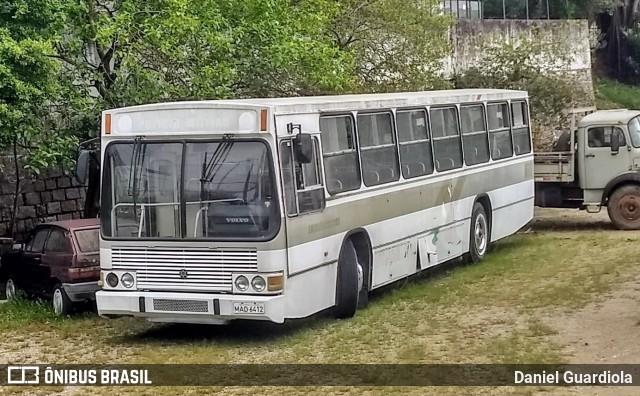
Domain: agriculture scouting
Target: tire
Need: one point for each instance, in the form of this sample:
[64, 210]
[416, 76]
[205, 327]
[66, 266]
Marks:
[624, 207]
[349, 282]
[479, 234]
[62, 305]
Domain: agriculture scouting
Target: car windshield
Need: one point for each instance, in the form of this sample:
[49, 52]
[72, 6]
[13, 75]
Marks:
[634, 131]
[88, 240]
[205, 189]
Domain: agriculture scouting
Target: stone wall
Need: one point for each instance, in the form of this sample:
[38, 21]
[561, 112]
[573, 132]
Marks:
[50, 196]
[470, 38]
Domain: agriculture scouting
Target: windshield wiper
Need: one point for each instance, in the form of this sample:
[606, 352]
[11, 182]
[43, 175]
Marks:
[211, 165]
[135, 173]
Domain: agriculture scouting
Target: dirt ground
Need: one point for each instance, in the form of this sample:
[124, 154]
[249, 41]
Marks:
[603, 332]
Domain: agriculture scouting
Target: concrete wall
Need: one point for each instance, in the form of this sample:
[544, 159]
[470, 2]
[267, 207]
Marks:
[49, 196]
[470, 38]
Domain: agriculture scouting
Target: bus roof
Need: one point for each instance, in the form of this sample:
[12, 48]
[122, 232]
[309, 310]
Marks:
[306, 104]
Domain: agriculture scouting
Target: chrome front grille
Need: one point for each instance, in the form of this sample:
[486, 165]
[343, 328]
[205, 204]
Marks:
[207, 270]
[160, 304]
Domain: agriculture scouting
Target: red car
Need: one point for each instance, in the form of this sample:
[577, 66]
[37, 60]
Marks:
[61, 262]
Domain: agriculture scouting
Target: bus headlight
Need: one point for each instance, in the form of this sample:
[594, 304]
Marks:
[258, 283]
[127, 280]
[112, 279]
[242, 283]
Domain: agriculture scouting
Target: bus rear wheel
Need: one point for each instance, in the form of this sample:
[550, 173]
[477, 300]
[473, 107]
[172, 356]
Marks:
[479, 234]
[624, 207]
[349, 281]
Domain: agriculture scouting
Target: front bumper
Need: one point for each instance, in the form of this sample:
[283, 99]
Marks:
[186, 307]
[81, 291]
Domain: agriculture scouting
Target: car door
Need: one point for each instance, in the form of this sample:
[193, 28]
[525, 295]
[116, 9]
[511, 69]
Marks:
[601, 163]
[28, 270]
[56, 259]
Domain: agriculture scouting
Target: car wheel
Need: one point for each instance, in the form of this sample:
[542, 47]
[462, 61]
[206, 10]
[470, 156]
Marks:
[62, 305]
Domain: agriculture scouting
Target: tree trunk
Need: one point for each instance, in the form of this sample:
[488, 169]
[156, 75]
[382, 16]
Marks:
[14, 210]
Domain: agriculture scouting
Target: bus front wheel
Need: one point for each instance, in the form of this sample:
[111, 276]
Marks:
[480, 233]
[349, 281]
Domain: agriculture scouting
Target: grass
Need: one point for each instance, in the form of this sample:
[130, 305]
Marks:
[18, 313]
[493, 312]
[611, 94]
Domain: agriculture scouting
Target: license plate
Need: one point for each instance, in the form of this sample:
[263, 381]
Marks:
[248, 308]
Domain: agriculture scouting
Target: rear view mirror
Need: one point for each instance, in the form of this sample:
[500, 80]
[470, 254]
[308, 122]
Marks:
[615, 143]
[303, 148]
[82, 166]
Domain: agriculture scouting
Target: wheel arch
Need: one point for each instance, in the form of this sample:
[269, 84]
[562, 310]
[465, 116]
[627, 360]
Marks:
[364, 249]
[485, 201]
[617, 182]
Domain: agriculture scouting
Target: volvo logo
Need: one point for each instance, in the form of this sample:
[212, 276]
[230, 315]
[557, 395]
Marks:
[237, 220]
[183, 274]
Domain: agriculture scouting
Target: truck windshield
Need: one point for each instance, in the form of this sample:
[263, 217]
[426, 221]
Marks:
[634, 131]
[193, 190]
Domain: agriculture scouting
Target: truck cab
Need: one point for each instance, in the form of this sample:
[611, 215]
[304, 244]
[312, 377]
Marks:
[595, 165]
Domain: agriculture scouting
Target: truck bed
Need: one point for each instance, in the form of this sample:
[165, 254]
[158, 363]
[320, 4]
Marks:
[554, 167]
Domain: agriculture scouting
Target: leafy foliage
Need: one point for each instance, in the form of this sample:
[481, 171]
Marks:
[29, 84]
[398, 45]
[524, 64]
[130, 52]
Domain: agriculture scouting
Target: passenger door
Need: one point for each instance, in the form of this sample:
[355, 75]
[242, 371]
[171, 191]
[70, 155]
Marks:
[28, 270]
[303, 193]
[600, 163]
[56, 258]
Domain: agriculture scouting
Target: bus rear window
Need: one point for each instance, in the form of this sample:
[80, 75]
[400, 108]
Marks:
[88, 240]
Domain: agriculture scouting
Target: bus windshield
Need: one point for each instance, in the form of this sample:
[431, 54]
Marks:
[175, 190]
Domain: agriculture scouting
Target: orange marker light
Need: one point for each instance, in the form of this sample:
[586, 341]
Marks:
[263, 120]
[107, 124]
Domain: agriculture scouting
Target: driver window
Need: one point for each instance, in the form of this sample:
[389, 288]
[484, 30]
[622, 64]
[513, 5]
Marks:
[57, 242]
[301, 180]
[601, 136]
[36, 245]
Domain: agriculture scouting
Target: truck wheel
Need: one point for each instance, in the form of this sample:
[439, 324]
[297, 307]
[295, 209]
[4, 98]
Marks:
[479, 235]
[62, 305]
[349, 282]
[624, 207]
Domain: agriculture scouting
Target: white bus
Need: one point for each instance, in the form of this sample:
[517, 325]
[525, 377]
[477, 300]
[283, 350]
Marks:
[271, 209]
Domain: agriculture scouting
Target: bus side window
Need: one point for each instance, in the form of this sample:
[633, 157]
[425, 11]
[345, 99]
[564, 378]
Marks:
[341, 163]
[446, 138]
[521, 131]
[499, 131]
[310, 188]
[474, 134]
[377, 149]
[415, 143]
[286, 163]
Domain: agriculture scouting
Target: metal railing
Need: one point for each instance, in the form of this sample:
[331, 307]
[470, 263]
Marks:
[514, 9]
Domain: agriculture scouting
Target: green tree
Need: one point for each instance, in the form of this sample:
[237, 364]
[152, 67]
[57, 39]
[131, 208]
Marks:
[127, 52]
[398, 45]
